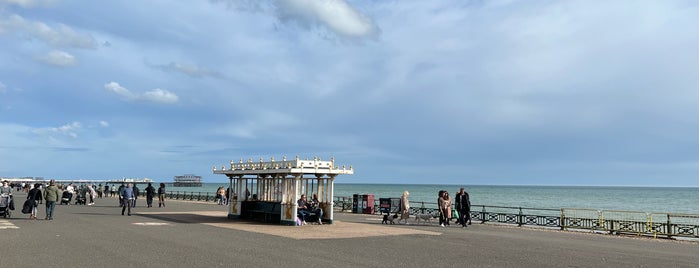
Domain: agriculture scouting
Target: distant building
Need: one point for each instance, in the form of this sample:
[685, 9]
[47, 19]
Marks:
[187, 180]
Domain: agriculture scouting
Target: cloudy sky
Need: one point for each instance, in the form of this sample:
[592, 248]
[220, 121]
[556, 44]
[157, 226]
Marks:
[407, 91]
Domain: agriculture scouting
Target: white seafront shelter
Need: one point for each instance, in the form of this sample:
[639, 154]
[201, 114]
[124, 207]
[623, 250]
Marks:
[269, 190]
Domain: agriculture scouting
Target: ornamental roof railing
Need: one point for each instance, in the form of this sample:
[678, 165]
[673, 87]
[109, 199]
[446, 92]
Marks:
[295, 166]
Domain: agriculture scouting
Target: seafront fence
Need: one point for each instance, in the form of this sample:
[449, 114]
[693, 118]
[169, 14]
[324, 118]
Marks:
[664, 225]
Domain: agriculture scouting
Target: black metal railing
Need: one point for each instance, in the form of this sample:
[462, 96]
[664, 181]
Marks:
[612, 221]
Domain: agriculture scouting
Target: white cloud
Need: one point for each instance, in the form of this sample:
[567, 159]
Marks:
[155, 95]
[104, 124]
[27, 3]
[59, 58]
[188, 69]
[337, 15]
[2, 87]
[119, 90]
[160, 95]
[62, 36]
[65, 130]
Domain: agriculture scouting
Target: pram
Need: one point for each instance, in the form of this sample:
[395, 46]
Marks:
[80, 200]
[6, 205]
[66, 197]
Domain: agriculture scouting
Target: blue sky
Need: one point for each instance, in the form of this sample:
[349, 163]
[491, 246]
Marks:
[464, 92]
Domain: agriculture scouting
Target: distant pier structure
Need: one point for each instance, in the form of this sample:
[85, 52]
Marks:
[129, 180]
[268, 190]
[187, 180]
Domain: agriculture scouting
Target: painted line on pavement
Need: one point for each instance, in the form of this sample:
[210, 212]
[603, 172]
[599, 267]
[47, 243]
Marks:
[5, 224]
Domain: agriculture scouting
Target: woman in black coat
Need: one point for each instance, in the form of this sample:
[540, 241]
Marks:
[34, 196]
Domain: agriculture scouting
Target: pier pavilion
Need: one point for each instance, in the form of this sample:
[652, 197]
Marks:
[268, 190]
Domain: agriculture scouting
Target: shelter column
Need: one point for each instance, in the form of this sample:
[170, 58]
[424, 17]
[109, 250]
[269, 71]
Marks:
[235, 205]
[331, 189]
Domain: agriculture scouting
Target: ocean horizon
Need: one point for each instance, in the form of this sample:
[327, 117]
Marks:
[650, 199]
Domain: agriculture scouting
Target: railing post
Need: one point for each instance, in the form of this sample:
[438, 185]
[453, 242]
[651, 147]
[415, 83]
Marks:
[563, 219]
[669, 227]
[483, 214]
[519, 218]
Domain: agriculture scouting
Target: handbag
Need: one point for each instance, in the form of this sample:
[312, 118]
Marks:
[27, 207]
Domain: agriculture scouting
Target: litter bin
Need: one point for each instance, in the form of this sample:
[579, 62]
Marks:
[363, 203]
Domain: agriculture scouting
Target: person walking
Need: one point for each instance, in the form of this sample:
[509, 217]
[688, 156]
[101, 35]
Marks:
[447, 208]
[91, 192]
[161, 195]
[5, 188]
[136, 193]
[127, 196]
[34, 196]
[121, 187]
[440, 205]
[51, 196]
[221, 193]
[463, 205]
[404, 207]
[150, 193]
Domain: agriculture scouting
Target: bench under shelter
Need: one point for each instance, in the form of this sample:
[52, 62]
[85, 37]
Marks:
[268, 190]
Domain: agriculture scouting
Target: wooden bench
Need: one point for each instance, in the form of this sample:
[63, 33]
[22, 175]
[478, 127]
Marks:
[261, 210]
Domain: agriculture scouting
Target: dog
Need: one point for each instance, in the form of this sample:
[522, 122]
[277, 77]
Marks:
[389, 219]
[425, 218]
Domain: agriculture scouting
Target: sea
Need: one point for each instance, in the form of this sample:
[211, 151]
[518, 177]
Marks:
[642, 199]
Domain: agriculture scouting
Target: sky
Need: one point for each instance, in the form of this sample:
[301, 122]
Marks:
[497, 92]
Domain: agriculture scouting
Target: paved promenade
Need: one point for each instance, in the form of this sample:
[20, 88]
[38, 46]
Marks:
[191, 234]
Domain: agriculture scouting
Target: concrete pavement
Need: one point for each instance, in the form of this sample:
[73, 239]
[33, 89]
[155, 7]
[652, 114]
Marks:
[192, 234]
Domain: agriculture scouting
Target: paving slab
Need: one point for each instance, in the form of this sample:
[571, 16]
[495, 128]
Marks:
[198, 234]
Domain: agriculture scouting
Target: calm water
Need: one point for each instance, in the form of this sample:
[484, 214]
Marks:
[646, 199]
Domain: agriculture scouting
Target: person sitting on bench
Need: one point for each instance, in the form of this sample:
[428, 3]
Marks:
[305, 210]
[315, 207]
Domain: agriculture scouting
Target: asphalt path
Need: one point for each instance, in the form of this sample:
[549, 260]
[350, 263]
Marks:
[183, 235]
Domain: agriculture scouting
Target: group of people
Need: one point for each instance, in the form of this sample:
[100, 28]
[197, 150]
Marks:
[462, 207]
[53, 193]
[128, 194]
[307, 209]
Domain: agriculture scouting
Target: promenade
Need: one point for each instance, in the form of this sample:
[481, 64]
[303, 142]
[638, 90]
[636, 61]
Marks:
[197, 234]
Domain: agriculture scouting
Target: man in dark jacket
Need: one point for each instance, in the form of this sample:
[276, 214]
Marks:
[150, 193]
[135, 194]
[463, 205]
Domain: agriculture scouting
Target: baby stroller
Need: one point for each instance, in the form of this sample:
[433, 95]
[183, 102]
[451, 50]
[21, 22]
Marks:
[6, 205]
[66, 197]
[80, 200]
